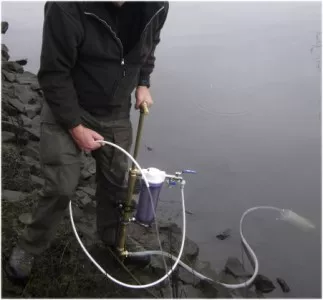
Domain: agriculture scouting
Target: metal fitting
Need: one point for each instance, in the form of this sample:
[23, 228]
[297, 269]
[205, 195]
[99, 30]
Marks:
[124, 253]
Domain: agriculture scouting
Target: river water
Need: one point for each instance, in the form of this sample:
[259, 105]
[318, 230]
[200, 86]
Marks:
[237, 91]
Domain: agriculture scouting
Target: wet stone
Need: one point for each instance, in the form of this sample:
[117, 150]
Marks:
[22, 62]
[8, 136]
[89, 167]
[263, 284]
[224, 235]
[187, 277]
[83, 198]
[85, 174]
[34, 133]
[90, 208]
[4, 115]
[7, 89]
[189, 291]
[18, 105]
[23, 92]
[23, 138]
[87, 230]
[77, 213]
[13, 196]
[4, 52]
[283, 285]
[26, 122]
[211, 291]
[90, 191]
[36, 121]
[233, 266]
[11, 126]
[32, 150]
[25, 218]
[27, 78]
[9, 109]
[191, 250]
[9, 76]
[32, 110]
[34, 165]
[35, 86]
[4, 48]
[4, 27]
[38, 182]
[12, 66]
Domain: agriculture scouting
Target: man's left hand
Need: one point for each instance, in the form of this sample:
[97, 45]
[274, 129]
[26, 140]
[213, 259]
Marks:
[143, 95]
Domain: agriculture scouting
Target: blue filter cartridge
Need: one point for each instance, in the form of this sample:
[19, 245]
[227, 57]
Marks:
[146, 208]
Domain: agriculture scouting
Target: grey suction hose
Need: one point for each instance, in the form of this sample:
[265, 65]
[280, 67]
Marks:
[286, 215]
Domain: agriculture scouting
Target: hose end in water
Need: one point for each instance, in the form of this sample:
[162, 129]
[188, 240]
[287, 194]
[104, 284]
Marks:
[296, 220]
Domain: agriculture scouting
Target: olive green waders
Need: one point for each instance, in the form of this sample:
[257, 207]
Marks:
[61, 166]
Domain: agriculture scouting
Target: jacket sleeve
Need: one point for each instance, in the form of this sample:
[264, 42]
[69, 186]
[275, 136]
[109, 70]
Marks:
[62, 34]
[148, 67]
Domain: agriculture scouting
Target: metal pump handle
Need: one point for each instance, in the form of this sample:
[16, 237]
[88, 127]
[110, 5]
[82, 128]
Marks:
[144, 108]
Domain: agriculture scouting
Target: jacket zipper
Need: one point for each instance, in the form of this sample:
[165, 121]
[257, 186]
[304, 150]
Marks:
[116, 37]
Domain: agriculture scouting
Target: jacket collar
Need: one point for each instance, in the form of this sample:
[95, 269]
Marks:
[149, 9]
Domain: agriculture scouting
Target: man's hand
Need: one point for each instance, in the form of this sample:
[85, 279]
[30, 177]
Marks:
[143, 95]
[86, 138]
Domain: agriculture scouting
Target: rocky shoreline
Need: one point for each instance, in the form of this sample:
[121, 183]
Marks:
[63, 270]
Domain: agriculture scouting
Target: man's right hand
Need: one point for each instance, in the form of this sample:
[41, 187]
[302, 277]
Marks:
[86, 138]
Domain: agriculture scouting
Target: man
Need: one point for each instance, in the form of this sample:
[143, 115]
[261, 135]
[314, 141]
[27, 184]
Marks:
[94, 55]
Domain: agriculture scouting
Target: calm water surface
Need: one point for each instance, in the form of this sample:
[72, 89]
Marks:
[237, 96]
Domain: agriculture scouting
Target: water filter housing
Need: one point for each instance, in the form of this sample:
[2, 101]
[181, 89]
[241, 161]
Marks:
[146, 208]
